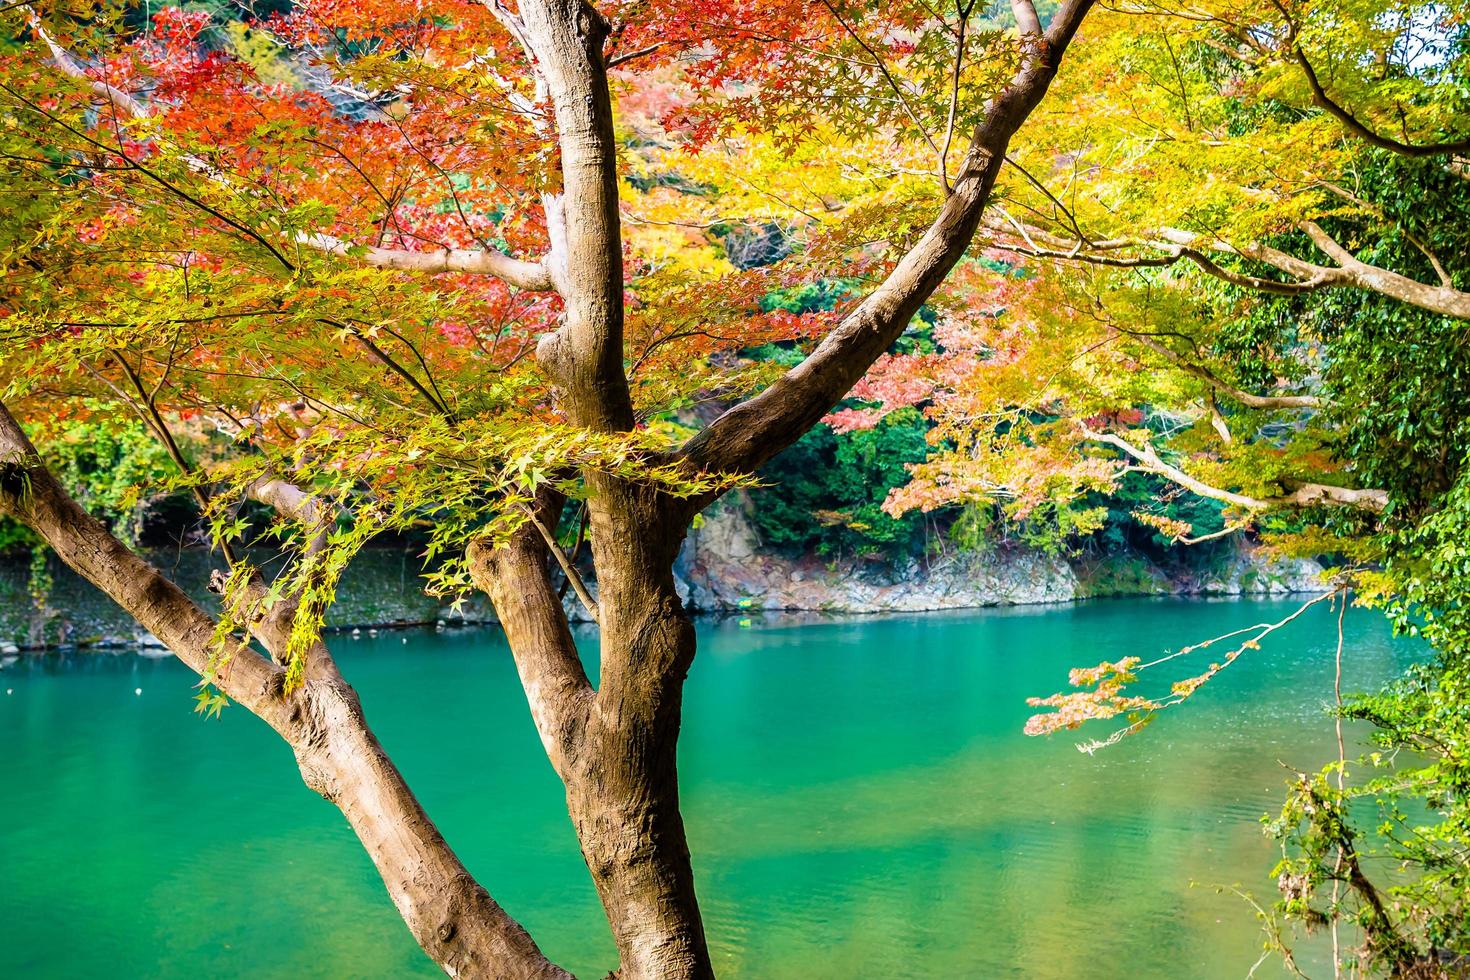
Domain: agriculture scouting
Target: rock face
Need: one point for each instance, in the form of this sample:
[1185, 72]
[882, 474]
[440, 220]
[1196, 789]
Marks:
[1247, 572]
[382, 588]
[722, 569]
[1249, 575]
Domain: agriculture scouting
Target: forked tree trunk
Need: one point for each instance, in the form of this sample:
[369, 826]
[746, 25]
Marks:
[615, 749]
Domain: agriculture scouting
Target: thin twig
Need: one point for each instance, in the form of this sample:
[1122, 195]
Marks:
[568, 570]
[154, 420]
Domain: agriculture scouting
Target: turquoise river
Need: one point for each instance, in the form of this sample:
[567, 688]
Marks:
[861, 803]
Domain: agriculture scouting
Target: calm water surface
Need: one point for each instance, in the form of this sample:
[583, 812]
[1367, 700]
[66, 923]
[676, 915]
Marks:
[860, 800]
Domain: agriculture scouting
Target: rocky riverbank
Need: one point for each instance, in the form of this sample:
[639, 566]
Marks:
[723, 569]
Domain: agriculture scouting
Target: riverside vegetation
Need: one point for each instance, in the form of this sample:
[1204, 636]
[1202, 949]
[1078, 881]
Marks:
[533, 285]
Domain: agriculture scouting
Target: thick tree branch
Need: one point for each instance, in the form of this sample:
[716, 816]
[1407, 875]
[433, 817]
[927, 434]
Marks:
[1156, 254]
[1028, 24]
[752, 432]
[294, 503]
[1443, 298]
[32, 496]
[518, 581]
[1445, 279]
[484, 262]
[270, 625]
[1169, 246]
[1303, 494]
[584, 356]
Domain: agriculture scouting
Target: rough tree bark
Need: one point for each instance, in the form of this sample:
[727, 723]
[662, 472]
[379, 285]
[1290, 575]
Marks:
[614, 746]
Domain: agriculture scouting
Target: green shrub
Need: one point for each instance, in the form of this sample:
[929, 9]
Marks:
[825, 493]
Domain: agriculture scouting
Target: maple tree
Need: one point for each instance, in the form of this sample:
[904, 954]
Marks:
[438, 267]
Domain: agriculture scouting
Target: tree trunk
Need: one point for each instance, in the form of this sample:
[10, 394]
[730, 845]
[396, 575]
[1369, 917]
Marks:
[623, 796]
[622, 790]
[614, 748]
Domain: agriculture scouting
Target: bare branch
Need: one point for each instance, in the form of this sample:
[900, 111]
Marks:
[627, 56]
[487, 262]
[290, 501]
[1224, 532]
[1443, 298]
[1218, 423]
[1046, 192]
[71, 67]
[1378, 212]
[1246, 398]
[1359, 129]
[147, 410]
[1123, 254]
[963, 11]
[1168, 246]
[392, 364]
